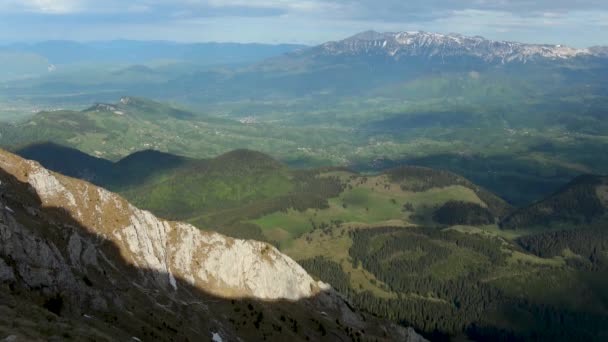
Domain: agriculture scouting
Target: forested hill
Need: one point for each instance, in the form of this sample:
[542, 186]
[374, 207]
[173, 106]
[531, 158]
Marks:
[581, 202]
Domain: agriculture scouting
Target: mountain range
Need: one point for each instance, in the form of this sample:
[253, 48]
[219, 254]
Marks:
[412, 44]
[46, 58]
[379, 58]
[451, 184]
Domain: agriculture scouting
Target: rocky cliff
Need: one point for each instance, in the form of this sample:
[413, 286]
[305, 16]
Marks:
[79, 262]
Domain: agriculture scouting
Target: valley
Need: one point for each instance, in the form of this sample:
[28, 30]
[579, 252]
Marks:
[370, 188]
[94, 267]
[411, 244]
[521, 127]
[521, 164]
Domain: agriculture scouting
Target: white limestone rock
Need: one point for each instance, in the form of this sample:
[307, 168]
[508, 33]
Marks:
[209, 261]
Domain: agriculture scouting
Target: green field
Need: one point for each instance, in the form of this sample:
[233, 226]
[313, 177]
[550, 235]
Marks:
[371, 201]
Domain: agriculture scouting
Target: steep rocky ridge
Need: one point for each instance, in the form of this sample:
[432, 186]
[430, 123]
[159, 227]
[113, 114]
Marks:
[399, 45]
[92, 259]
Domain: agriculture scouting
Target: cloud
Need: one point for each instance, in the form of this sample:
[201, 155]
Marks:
[387, 10]
[53, 6]
[168, 7]
[41, 6]
[575, 22]
[428, 10]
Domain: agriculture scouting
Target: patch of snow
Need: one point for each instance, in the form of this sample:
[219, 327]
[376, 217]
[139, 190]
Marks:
[215, 337]
[419, 43]
[172, 281]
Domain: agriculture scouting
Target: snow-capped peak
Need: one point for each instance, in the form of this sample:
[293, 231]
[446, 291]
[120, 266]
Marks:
[426, 44]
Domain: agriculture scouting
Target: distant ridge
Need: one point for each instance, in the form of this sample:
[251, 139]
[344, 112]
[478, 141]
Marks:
[63, 52]
[399, 45]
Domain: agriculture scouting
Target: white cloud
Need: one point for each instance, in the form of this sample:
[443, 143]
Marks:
[52, 6]
[353, 9]
[109, 6]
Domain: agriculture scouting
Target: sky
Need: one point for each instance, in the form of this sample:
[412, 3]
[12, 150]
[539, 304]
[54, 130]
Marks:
[578, 23]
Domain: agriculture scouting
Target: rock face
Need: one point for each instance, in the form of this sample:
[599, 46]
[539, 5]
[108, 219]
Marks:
[401, 45]
[106, 269]
[220, 265]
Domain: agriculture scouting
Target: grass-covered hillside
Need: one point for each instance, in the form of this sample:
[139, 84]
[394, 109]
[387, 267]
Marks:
[521, 157]
[113, 131]
[221, 192]
[233, 179]
[415, 245]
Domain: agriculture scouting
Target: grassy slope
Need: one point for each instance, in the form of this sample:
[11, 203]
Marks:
[247, 194]
[114, 131]
[368, 202]
[231, 180]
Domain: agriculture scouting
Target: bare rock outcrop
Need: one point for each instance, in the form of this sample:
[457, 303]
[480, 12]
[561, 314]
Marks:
[75, 257]
[218, 264]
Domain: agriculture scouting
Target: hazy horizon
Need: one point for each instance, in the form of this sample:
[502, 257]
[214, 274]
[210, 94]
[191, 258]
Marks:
[7, 43]
[578, 24]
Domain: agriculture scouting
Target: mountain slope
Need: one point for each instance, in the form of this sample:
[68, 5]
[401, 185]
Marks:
[116, 130]
[243, 184]
[130, 171]
[93, 260]
[67, 161]
[230, 180]
[411, 245]
[172, 186]
[581, 202]
[383, 64]
[400, 45]
[414, 54]
[415, 178]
